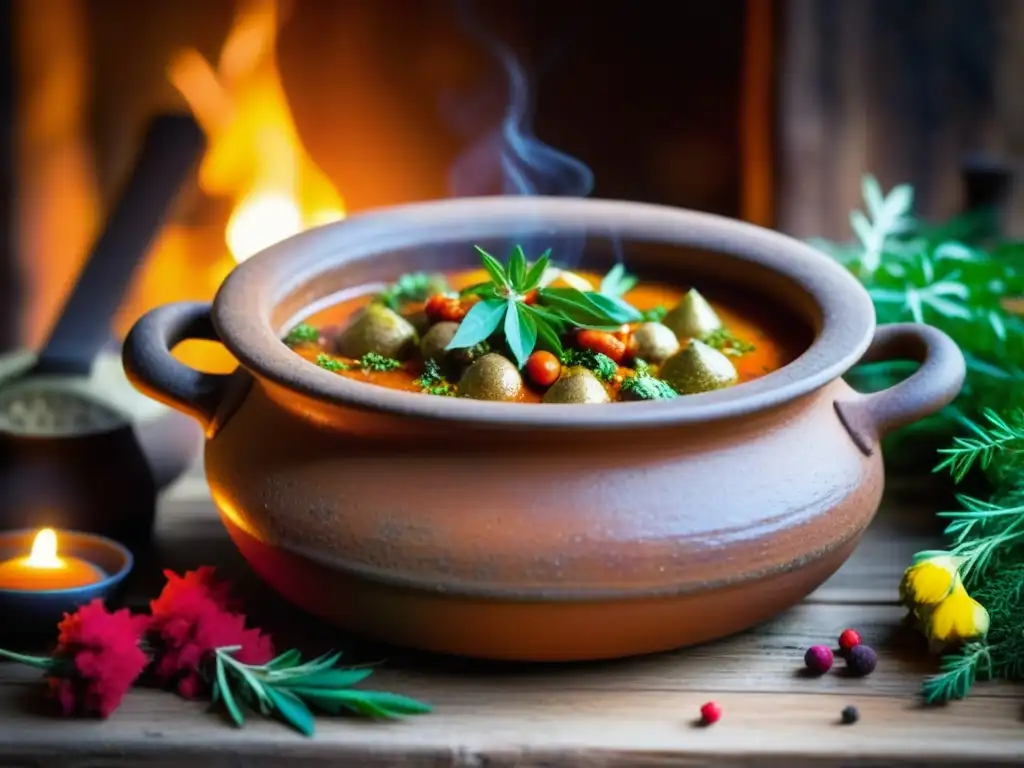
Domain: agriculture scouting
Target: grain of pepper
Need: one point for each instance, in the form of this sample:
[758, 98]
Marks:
[849, 715]
[861, 660]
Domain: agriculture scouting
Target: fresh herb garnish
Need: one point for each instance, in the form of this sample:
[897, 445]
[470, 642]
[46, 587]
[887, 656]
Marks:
[958, 276]
[727, 343]
[371, 361]
[503, 310]
[303, 333]
[600, 365]
[433, 382]
[292, 690]
[410, 288]
[329, 363]
[641, 385]
[655, 314]
[617, 282]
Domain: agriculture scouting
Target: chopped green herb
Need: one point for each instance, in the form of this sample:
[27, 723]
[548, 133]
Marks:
[371, 361]
[412, 287]
[329, 363]
[724, 341]
[303, 333]
[642, 386]
[601, 365]
[655, 315]
[433, 382]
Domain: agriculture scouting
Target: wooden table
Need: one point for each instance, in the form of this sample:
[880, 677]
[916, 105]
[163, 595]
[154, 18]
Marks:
[631, 713]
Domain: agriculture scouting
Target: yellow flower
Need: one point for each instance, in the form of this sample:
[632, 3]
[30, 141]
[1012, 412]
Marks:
[928, 582]
[956, 619]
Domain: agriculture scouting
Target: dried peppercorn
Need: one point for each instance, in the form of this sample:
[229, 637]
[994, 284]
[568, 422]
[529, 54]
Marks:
[818, 659]
[849, 715]
[861, 660]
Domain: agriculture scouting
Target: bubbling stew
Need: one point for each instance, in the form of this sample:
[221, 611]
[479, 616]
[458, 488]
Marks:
[536, 333]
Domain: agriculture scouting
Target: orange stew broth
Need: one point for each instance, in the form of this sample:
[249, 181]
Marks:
[773, 347]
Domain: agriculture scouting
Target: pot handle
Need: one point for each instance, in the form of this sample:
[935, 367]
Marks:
[152, 369]
[868, 417]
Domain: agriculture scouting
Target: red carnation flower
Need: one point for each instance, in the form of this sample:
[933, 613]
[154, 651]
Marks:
[191, 619]
[97, 659]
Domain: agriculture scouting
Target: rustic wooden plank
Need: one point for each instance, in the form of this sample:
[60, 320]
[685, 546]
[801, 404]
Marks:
[634, 712]
[520, 728]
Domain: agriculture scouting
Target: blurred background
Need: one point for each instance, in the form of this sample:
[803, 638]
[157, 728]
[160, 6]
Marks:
[767, 110]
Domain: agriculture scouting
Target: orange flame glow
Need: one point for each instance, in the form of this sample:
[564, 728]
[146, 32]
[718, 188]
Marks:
[255, 155]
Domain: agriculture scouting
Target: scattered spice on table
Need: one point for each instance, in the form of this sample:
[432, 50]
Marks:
[861, 660]
[197, 641]
[849, 638]
[710, 713]
[961, 276]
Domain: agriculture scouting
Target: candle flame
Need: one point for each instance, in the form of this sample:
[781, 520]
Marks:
[44, 550]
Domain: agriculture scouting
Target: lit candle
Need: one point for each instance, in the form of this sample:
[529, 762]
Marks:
[44, 569]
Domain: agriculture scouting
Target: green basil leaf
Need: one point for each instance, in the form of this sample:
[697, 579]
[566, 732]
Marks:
[589, 308]
[615, 308]
[493, 267]
[520, 333]
[292, 710]
[617, 282]
[556, 322]
[481, 321]
[484, 290]
[533, 277]
[546, 335]
[327, 678]
[517, 268]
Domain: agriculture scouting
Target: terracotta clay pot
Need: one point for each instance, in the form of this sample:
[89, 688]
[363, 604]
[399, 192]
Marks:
[541, 532]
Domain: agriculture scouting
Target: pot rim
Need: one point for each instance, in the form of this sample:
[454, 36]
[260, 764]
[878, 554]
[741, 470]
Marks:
[244, 305]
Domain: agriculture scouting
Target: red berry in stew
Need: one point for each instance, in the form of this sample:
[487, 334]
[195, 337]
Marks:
[818, 659]
[543, 368]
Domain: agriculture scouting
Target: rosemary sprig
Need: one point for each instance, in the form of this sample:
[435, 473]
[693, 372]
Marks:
[957, 674]
[292, 690]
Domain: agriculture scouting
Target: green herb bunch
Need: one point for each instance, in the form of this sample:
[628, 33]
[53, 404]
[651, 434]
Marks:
[958, 277]
[505, 308]
[292, 690]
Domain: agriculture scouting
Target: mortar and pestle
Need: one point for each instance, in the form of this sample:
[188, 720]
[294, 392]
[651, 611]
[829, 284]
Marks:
[80, 448]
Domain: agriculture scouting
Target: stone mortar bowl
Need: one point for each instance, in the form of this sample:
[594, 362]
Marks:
[541, 532]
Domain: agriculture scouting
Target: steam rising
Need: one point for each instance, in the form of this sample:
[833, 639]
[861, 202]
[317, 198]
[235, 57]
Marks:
[508, 159]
